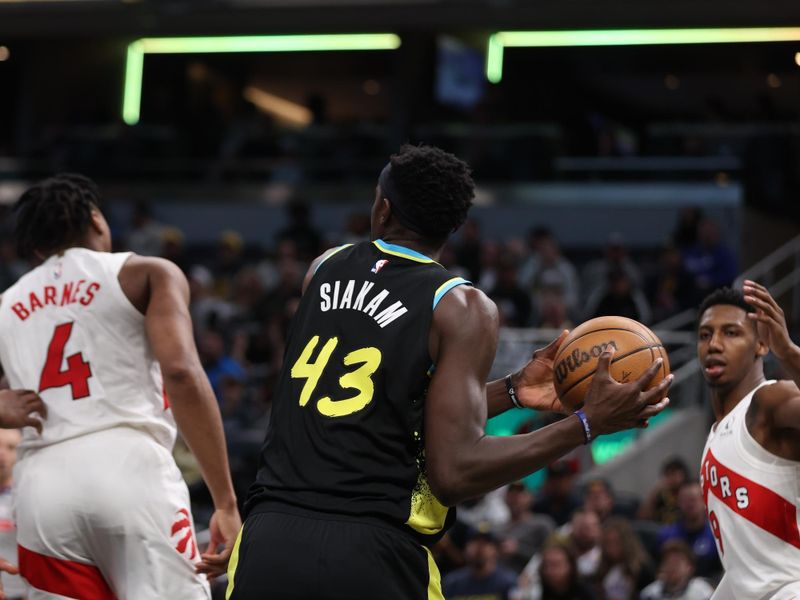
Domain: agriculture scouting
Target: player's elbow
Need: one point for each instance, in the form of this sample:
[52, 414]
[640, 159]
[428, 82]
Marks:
[447, 483]
[178, 374]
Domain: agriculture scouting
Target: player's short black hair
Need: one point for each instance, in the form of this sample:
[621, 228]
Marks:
[724, 295]
[436, 186]
[54, 214]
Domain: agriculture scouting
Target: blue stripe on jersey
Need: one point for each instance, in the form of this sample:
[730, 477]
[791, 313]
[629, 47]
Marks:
[331, 253]
[402, 251]
[447, 286]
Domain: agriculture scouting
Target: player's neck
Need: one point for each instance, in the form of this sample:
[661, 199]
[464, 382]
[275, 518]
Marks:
[413, 243]
[724, 400]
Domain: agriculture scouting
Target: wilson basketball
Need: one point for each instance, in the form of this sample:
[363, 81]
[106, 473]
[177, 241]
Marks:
[636, 347]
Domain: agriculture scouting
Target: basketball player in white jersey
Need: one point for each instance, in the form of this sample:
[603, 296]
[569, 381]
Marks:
[106, 340]
[750, 469]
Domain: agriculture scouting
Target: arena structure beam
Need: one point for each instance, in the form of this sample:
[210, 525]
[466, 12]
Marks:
[134, 69]
[626, 37]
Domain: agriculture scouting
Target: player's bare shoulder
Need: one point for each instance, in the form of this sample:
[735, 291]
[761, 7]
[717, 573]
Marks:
[771, 397]
[139, 274]
[466, 308]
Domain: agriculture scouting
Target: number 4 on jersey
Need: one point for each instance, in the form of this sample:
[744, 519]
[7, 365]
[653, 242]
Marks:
[77, 373]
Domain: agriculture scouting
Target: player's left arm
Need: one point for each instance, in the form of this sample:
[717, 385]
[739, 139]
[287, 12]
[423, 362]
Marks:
[784, 397]
[533, 384]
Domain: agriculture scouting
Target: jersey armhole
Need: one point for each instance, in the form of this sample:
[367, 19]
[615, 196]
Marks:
[121, 259]
[328, 255]
[446, 287]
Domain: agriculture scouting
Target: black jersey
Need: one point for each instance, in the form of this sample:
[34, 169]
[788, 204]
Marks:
[346, 432]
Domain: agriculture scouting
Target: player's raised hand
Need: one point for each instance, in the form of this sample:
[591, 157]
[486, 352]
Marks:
[769, 319]
[612, 406]
[224, 527]
[21, 408]
[534, 382]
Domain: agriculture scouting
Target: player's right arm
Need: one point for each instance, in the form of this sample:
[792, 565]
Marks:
[160, 291]
[461, 460]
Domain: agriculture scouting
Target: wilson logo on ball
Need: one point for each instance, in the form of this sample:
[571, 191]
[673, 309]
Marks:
[571, 362]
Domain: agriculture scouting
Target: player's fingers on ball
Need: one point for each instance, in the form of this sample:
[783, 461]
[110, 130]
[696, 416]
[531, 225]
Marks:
[645, 378]
[659, 391]
[604, 363]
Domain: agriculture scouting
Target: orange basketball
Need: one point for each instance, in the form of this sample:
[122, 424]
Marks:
[636, 347]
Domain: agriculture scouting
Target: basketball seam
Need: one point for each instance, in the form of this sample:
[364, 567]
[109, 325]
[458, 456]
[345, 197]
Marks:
[616, 358]
[636, 333]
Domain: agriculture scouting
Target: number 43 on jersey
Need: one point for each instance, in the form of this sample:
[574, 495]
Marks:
[359, 379]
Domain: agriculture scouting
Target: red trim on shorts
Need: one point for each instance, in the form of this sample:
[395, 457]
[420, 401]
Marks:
[63, 577]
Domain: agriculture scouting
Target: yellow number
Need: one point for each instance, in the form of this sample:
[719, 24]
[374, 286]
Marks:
[360, 380]
[302, 369]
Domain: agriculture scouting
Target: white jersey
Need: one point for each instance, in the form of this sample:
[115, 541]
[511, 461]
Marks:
[68, 331]
[752, 498]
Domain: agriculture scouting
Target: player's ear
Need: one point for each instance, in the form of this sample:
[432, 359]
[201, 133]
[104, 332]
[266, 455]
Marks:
[762, 348]
[384, 210]
[97, 221]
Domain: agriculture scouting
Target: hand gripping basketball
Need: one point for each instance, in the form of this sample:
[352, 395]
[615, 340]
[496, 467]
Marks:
[612, 406]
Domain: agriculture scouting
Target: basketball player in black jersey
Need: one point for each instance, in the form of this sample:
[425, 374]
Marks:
[378, 420]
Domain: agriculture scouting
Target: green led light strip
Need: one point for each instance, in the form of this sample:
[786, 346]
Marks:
[626, 37]
[134, 69]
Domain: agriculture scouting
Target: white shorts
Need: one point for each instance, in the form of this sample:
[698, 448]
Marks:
[106, 516]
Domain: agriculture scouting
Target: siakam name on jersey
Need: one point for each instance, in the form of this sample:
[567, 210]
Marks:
[72, 292]
[337, 296]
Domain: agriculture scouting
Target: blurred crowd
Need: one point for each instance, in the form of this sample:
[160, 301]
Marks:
[562, 541]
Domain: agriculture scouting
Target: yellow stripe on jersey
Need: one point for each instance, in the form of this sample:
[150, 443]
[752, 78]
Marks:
[447, 286]
[402, 252]
[427, 514]
[232, 563]
[434, 579]
[330, 253]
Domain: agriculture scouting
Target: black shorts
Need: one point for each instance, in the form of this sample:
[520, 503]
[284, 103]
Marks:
[287, 556]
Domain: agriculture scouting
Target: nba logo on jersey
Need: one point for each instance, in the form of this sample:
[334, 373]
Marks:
[379, 265]
[57, 270]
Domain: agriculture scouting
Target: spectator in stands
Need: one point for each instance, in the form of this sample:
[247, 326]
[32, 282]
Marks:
[513, 303]
[585, 532]
[676, 579]
[553, 311]
[624, 565]
[693, 528]
[468, 250]
[490, 255]
[661, 504]
[559, 575]
[145, 235]
[599, 497]
[228, 262]
[300, 230]
[557, 498]
[685, 232]
[357, 228]
[172, 246]
[709, 261]
[487, 511]
[615, 258]
[671, 288]
[216, 361]
[525, 532]
[619, 298]
[548, 269]
[482, 576]
[13, 586]
[207, 310]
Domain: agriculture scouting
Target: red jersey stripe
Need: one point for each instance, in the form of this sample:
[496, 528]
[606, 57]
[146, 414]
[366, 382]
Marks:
[759, 505]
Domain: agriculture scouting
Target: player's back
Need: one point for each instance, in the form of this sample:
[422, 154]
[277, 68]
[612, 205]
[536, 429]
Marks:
[346, 434]
[68, 331]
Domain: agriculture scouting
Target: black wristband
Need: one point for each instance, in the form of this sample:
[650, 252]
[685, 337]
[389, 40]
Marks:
[512, 393]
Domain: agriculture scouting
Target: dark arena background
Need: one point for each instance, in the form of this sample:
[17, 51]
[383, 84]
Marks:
[630, 157]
